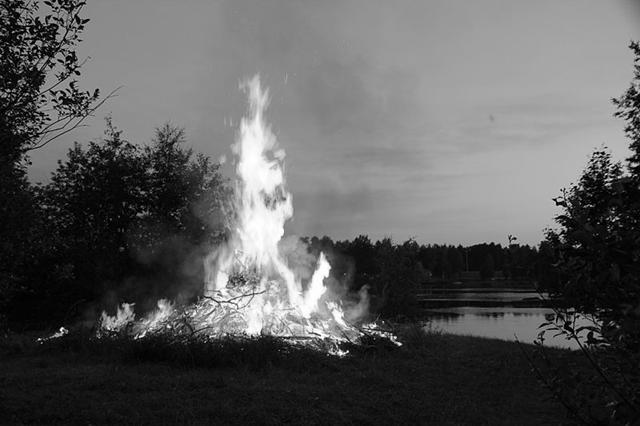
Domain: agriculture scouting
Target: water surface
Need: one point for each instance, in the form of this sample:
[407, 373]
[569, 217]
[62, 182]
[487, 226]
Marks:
[504, 323]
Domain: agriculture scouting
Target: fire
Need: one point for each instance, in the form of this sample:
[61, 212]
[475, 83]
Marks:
[250, 289]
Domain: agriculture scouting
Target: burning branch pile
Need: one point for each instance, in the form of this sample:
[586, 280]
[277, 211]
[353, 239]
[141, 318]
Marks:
[250, 288]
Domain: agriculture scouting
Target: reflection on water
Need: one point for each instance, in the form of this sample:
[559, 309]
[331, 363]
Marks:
[504, 323]
[503, 296]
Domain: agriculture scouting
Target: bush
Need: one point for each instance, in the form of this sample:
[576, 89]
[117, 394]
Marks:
[596, 253]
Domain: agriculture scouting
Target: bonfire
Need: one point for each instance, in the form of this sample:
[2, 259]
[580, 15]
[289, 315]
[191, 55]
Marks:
[250, 289]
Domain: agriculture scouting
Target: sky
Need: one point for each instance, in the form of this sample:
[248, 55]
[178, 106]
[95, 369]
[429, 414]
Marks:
[446, 121]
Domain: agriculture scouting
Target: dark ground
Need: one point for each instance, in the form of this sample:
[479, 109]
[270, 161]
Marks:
[435, 379]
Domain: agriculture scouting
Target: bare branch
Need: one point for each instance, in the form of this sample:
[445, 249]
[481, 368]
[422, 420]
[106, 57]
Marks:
[61, 80]
[42, 142]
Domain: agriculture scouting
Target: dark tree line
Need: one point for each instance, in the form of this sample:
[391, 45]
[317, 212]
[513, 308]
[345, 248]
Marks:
[395, 272]
[448, 262]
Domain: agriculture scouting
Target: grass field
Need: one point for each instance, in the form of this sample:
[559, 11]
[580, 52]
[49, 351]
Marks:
[432, 379]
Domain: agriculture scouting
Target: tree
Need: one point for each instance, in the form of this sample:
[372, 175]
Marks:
[185, 191]
[93, 202]
[363, 253]
[399, 273]
[596, 272]
[444, 265]
[487, 269]
[455, 260]
[39, 95]
[134, 222]
[591, 238]
[628, 108]
[39, 102]
[596, 254]
[187, 210]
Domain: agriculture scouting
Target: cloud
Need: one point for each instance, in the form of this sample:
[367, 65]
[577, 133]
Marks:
[384, 111]
[333, 201]
[521, 122]
[329, 208]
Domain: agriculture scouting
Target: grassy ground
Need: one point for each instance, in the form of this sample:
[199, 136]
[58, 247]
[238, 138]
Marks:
[435, 379]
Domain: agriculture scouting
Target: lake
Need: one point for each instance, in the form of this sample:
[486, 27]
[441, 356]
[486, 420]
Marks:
[504, 321]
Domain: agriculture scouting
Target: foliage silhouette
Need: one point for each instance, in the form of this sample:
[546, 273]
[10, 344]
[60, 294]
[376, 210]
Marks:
[39, 101]
[121, 221]
[596, 255]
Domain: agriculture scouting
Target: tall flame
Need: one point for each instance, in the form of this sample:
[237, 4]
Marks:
[249, 287]
[263, 205]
